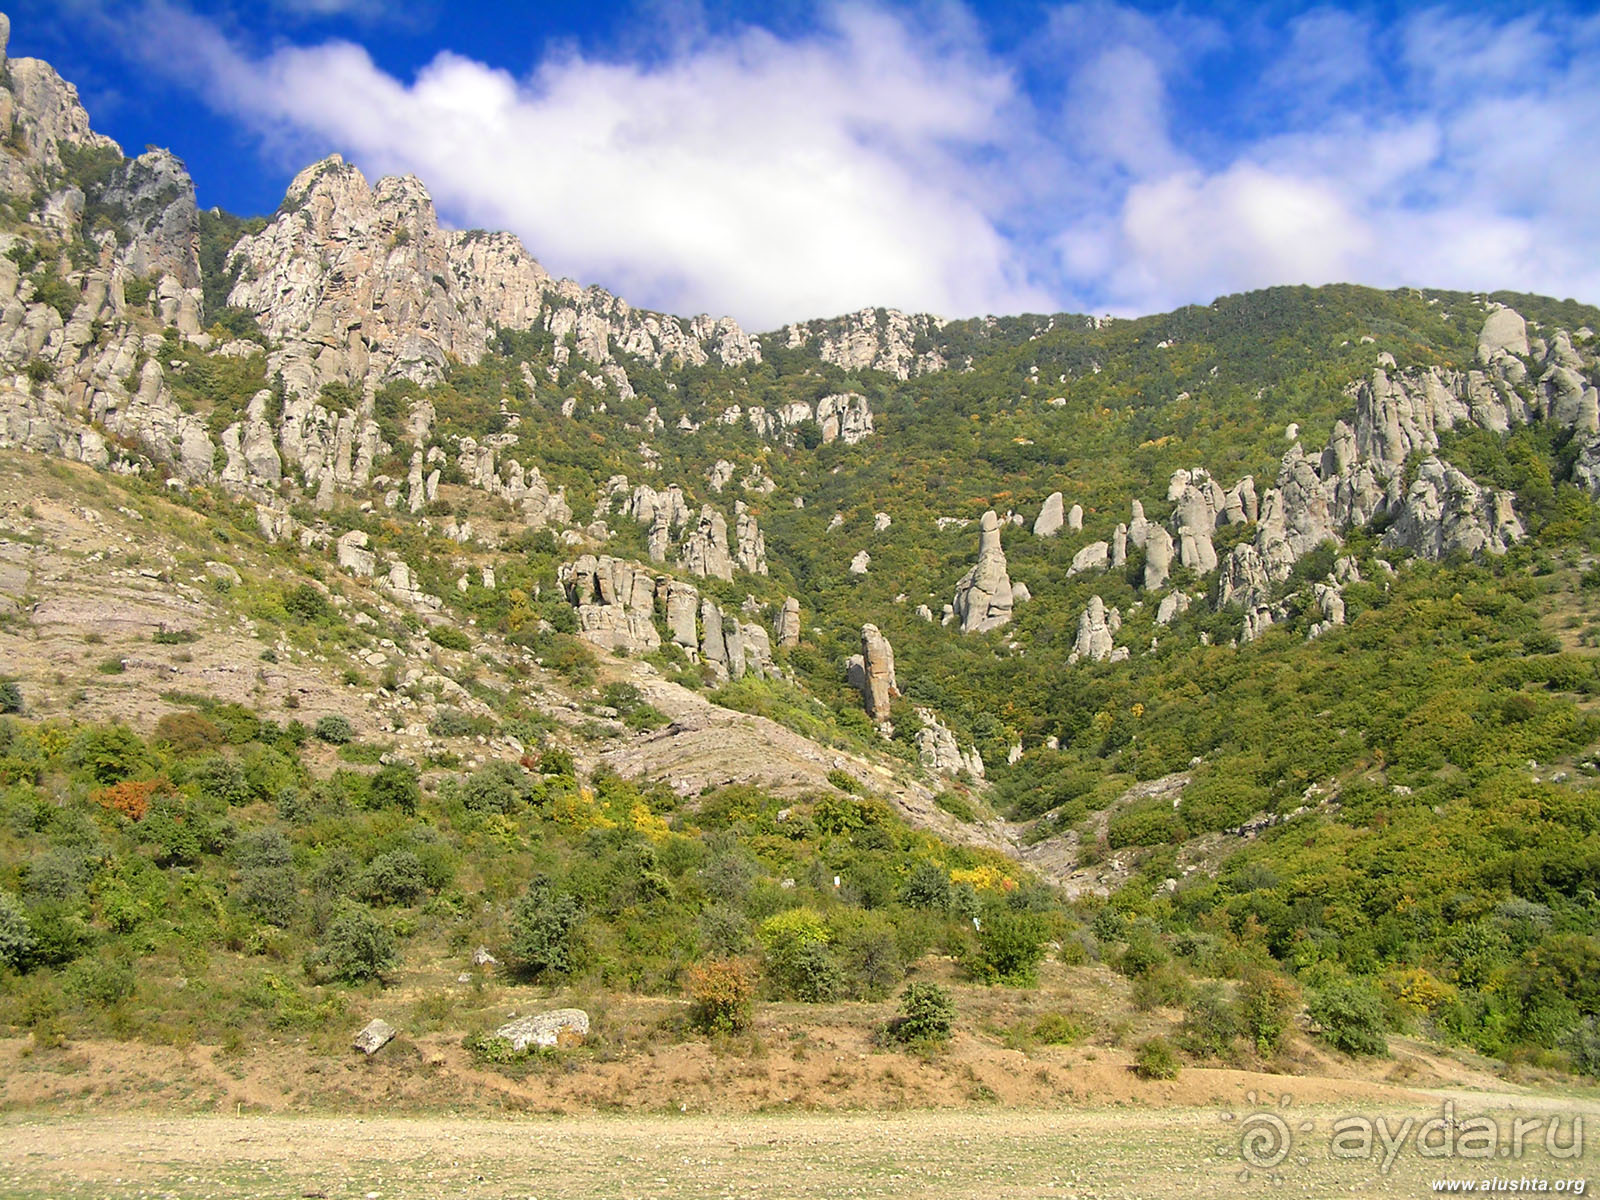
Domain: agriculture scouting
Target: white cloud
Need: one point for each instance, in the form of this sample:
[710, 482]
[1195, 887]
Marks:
[1120, 160]
[1475, 166]
[772, 179]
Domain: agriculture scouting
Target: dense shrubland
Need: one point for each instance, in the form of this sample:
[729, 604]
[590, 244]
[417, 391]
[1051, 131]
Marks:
[224, 851]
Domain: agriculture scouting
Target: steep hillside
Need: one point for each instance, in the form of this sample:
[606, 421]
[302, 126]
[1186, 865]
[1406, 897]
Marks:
[1266, 630]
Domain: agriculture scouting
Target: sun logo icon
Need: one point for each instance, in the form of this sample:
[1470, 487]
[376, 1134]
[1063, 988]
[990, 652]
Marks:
[1266, 1140]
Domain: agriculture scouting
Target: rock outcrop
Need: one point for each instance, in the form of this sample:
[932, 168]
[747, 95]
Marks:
[788, 630]
[845, 417]
[1444, 512]
[1172, 606]
[1504, 332]
[560, 1027]
[1330, 603]
[705, 549]
[360, 283]
[874, 338]
[872, 673]
[940, 752]
[1051, 517]
[615, 601]
[1092, 557]
[750, 548]
[1097, 628]
[983, 599]
[1157, 558]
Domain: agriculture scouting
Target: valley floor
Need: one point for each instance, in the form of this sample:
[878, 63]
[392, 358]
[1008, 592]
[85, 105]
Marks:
[1120, 1151]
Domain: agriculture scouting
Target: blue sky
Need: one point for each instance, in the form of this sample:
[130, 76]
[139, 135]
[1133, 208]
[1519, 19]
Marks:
[794, 159]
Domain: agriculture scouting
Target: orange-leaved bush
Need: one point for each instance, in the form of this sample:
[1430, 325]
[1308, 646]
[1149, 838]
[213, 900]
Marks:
[723, 993]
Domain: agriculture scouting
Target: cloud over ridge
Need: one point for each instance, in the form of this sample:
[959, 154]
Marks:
[1112, 161]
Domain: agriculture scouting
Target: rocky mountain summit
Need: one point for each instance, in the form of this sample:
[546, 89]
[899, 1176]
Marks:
[360, 285]
[414, 403]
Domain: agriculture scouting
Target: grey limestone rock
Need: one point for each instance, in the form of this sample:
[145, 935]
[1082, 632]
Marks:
[374, 1036]
[983, 599]
[559, 1027]
[879, 339]
[940, 752]
[1092, 557]
[1051, 517]
[1157, 557]
[705, 549]
[878, 686]
[789, 623]
[1444, 512]
[1504, 332]
[750, 548]
[846, 417]
[1096, 628]
[1173, 605]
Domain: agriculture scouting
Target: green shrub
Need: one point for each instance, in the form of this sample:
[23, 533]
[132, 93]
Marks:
[173, 836]
[1155, 1059]
[1059, 1029]
[357, 946]
[307, 603]
[845, 782]
[490, 1051]
[270, 894]
[394, 878]
[928, 887]
[1010, 947]
[174, 637]
[927, 1014]
[798, 961]
[221, 779]
[494, 787]
[1143, 953]
[1157, 824]
[1162, 986]
[188, 732]
[449, 637]
[10, 696]
[1266, 1003]
[557, 761]
[334, 729]
[868, 955]
[543, 931]
[16, 934]
[58, 874]
[452, 722]
[100, 980]
[110, 753]
[263, 848]
[1582, 1044]
[395, 786]
[1349, 1016]
[1209, 1026]
[60, 934]
[724, 931]
[810, 974]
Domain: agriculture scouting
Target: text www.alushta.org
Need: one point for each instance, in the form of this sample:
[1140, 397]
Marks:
[1498, 1184]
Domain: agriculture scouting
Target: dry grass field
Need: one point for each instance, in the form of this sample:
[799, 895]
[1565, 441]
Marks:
[1118, 1151]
